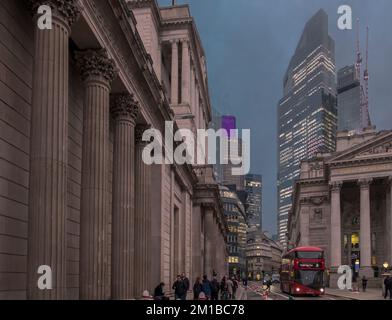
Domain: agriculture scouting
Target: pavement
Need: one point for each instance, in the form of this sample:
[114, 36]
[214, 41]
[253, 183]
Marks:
[370, 294]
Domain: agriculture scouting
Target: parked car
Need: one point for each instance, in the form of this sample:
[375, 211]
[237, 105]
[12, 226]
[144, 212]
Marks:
[275, 278]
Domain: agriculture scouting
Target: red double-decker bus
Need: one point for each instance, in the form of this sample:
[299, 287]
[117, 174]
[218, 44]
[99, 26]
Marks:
[302, 271]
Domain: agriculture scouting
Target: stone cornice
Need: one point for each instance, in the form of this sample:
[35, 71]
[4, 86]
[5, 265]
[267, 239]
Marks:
[124, 46]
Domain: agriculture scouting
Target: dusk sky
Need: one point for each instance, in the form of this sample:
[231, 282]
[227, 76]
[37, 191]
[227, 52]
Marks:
[249, 44]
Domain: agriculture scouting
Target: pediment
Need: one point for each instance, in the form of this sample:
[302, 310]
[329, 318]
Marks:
[378, 147]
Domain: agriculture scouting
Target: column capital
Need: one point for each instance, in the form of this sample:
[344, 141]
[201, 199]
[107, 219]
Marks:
[139, 131]
[67, 9]
[336, 186]
[174, 41]
[95, 62]
[124, 107]
[365, 182]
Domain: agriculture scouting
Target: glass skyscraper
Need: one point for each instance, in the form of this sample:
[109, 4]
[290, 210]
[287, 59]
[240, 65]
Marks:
[253, 190]
[349, 100]
[307, 113]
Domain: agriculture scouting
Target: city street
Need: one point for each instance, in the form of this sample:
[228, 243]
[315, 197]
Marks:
[255, 293]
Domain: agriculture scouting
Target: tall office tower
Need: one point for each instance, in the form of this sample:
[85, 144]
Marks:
[349, 100]
[253, 203]
[307, 113]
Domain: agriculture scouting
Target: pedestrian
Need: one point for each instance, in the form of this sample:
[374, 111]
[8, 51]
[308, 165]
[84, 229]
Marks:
[179, 288]
[235, 287]
[202, 296]
[388, 287]
[159, 292]
[364, 283]
[229, 284]
[186, 284]
[146, 295]
[223, 288]
[206, 284]
[197, 288]
[214, 289]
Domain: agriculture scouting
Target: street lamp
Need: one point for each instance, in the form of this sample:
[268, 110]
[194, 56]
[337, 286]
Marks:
[386, 266]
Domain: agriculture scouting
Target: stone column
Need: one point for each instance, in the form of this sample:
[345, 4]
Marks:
[125, 110]
[143, 219]
[186, 72]
[209, 227]
[49, 151]
[196, 242]
[388, 226]
[174, 73]
[336, 229]
[365, 233]
[97, 72]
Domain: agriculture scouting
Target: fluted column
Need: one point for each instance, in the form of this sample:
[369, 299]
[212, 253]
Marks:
[125, 110]
[186, 72]
[143, 220]
[174, 73]
[97, 72]
[49, 151]
[208, 240]
[336, 229]
[365, 233]
[197, 267]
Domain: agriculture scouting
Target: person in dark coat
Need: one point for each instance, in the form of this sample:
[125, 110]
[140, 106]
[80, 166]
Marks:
[197, 288]
[207, 287]
[214, 289]
[388, 287]
[186, 284]
[159, 293]
[364, 283]
[179, 288]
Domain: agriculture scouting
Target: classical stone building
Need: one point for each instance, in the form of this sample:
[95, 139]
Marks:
[263, 255]
[75, 194]
[342, 203]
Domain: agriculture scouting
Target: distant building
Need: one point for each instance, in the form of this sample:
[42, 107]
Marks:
[216, 124]
[236, 236]
[263, 255]
[349, 100]
[253, 204]
[229, 123]
[307, 114]
[342, 203]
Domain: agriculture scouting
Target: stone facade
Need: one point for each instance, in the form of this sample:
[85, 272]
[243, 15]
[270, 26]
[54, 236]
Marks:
[74, 193]
[263, 255]
[342, 203]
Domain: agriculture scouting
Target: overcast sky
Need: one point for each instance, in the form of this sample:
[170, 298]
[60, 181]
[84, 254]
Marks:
[249, 43]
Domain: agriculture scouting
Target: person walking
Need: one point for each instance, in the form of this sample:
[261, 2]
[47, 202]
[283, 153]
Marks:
[179, 288]
[388, 287]
[206, 284]
[230, 285]
[214, 289]
[364, 283]
[197, 288]
[235, 287]
[187, 285]
[223, 289]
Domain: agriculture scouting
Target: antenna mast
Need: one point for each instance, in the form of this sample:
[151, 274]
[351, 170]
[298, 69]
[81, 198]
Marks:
[367, 121]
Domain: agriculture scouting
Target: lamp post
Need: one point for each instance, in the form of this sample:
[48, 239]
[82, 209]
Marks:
[386, 266]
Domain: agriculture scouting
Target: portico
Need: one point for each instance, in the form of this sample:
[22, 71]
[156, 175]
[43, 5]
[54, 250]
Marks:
[343, 204]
